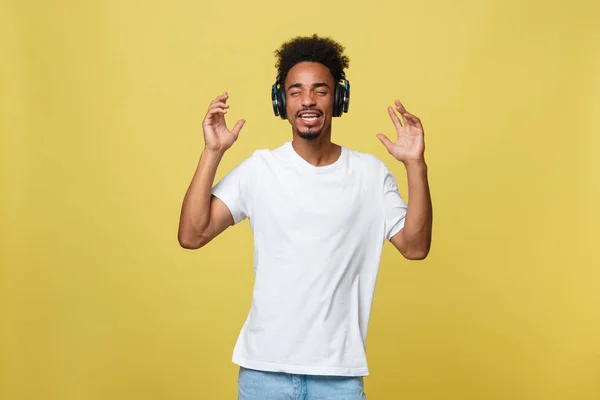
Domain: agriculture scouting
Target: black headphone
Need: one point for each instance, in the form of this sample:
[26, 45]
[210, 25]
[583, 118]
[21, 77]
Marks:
[341, 97]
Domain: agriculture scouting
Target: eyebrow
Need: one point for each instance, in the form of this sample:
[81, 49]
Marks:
[314, 85]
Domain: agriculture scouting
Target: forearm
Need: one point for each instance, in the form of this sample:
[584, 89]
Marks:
[418, 222]
[195, 211]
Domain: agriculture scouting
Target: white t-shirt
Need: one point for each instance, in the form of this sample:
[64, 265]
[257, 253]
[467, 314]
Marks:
[318, 236]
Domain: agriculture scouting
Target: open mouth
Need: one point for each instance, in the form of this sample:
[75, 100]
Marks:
[309, 117]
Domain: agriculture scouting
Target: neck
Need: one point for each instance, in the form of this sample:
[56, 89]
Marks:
[318, 152]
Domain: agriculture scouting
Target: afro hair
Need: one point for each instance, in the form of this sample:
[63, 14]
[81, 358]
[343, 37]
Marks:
[313, 48]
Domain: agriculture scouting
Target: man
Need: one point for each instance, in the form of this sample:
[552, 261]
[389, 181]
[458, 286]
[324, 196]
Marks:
[320, 214]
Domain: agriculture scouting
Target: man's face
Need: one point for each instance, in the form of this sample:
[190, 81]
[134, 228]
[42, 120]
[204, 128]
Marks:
[309, 89]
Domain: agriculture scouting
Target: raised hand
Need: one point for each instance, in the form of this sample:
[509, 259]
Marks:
[410, 145]
[216, 135]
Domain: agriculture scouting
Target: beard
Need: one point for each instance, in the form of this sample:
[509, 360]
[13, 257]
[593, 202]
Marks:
[310, 134]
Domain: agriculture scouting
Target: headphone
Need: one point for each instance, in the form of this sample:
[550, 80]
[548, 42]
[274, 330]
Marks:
[341, 97]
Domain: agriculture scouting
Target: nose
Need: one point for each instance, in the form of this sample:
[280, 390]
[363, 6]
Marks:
[308, 99]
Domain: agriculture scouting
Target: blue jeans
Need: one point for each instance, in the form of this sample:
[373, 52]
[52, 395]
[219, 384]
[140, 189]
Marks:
[264, 385]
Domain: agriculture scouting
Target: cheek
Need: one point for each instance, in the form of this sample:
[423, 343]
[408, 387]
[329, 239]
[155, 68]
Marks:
[328, 102]
[292, 103]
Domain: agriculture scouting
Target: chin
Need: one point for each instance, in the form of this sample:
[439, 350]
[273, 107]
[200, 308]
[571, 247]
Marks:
[307, 135]
[310, 133]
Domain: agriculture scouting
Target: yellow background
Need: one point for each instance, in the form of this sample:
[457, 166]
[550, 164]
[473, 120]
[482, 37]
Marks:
[101, 104]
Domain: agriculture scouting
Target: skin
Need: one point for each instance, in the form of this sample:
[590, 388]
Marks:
[309, 87]
[414, 240]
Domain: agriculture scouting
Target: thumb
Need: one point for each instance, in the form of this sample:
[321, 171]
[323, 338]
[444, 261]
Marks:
[238, 126]
[386, 142]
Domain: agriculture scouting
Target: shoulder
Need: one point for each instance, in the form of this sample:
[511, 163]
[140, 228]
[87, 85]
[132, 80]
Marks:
[262, 158]
[366, 161]
[371, 166]
[266, 156]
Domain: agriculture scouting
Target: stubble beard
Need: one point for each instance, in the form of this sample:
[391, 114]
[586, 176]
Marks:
[310, 134]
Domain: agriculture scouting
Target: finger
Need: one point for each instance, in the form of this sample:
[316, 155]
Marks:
[402, 110]
[413, 118]
[404, 121]
[212, 113]
[386, 142]
[216, 110]
[394, 118]
[219, 104]
[238, 126]
[414, 121]
[400, 107]
[222, 97]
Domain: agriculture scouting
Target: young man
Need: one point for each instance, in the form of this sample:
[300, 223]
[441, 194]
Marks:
[320, 214]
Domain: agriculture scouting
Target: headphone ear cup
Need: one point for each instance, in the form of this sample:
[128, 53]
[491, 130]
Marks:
[281, 96]
[346, 96]
[337, 100]
[278, 99]
[275, 99]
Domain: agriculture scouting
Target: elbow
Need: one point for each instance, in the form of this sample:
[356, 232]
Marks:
[190, 242]
[412, 246]
[189, 245]
[416, 254]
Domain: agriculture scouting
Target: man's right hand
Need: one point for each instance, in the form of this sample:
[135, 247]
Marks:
[216, 135]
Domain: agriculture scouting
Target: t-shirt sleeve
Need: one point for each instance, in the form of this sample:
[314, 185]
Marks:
[394, 206]
[235, 189]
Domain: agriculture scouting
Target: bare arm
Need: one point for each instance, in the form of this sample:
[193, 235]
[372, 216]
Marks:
[204, 216]
[414, 239]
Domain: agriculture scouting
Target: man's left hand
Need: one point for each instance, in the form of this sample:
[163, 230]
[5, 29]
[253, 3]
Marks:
[410, 146]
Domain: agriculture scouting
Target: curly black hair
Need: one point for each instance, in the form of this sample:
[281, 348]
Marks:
[323, 50]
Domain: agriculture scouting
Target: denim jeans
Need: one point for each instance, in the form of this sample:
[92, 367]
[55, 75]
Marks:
[264, 385]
